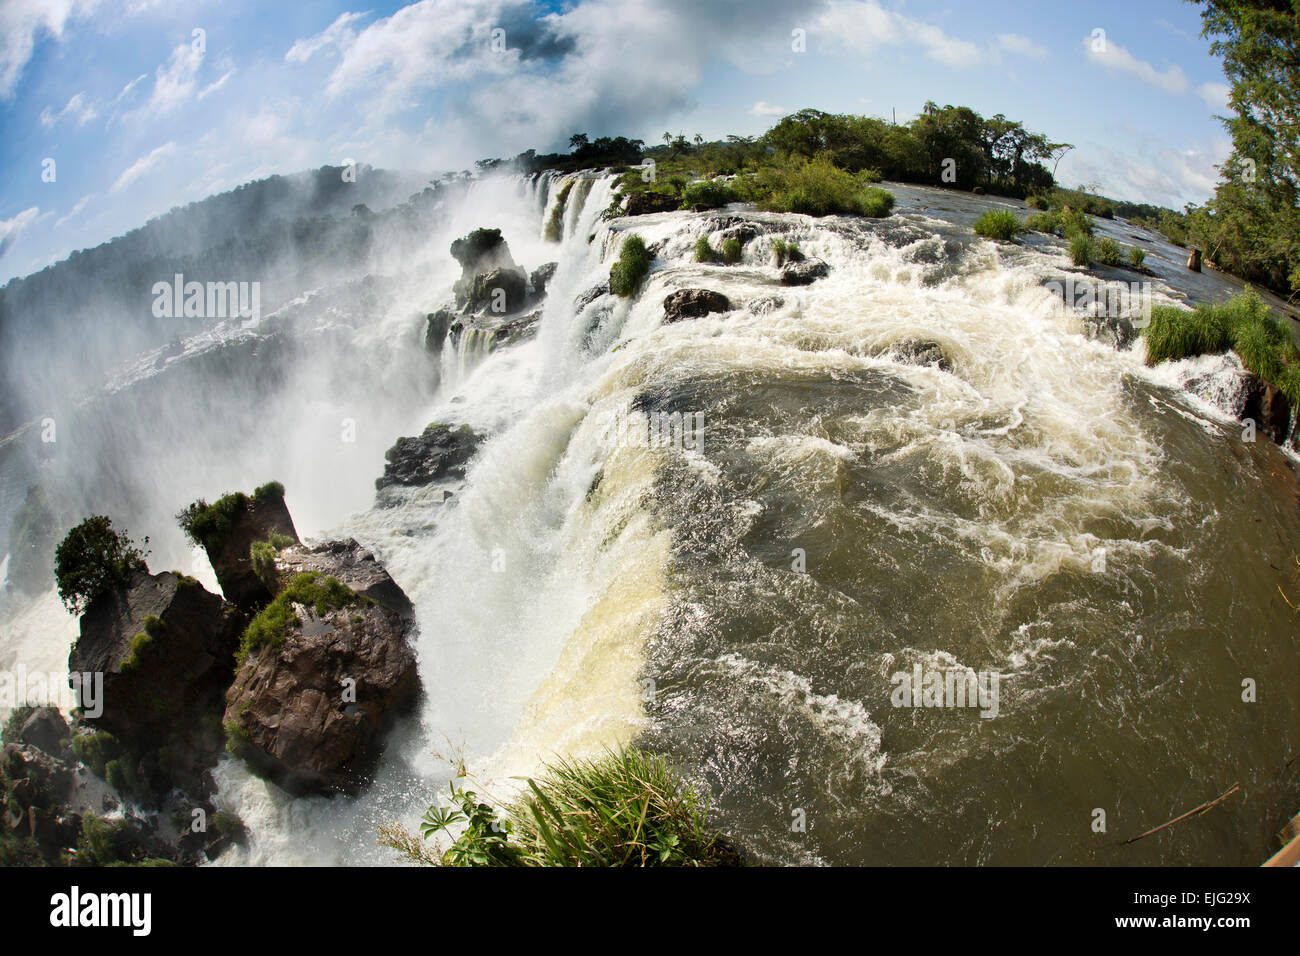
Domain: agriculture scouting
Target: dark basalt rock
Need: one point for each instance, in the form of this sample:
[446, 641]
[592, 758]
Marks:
[45, 729]
[920, 352]
[645, 203]
[1269, 409]
[744, 230]
[351, 564]
[500, 291]
[765, 304]
[264, 515]
[440, 451]
[518, 330]
[436, 326]
[1116, 331]
[585, 299]
[694, 303]
[165, 647]
[804, 272]
[540, 277]
[310, 714]
[483, 250]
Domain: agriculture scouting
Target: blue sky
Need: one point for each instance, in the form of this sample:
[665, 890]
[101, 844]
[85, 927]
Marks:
[139, 112]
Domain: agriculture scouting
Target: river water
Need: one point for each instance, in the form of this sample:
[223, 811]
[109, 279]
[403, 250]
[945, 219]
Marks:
[1042, 510]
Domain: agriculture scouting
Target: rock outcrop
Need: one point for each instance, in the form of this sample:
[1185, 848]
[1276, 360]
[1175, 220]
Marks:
[228, 528]
[308, 707]
[500, 291]
[693, 304]
[645, 203]
[436, 326]
[920, 352]
[165, 647]
[541, 277]
[352, 565]
[440, 451]
[804, 272]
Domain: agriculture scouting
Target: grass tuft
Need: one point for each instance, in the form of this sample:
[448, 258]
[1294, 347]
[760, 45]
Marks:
[998, 224]
[633, 265]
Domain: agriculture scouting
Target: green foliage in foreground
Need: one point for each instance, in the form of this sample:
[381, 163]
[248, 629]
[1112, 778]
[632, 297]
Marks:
[92, 560]
[206, 524]
[1108, 252]
[275, 621]
[998, 224]
[633, 265]
[625, 809]
[1244, 324]
[785, 251]
[1081, 249]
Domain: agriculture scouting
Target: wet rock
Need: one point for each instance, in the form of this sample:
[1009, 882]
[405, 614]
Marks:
[1269, 409]
[165, 647]
[245, 520]
[436, 326]
[351, 564]
[591, 295]
[541, 277]
[745, 230]
[1194, 259]
[310, 713]
[45, 729]
[483, 250]
[805, 272]
[1116, 331]
[920, 352]
[440, 451]
[645, 203]
[518, 330]
[766, 304]
[693, 304]
[500, 291]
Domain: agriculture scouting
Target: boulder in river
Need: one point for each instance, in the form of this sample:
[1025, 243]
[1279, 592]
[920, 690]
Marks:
[483, 250]
[1116, 331]
[436, 326]
[440, 451]
[45, 729]
[227, 529]
[805, 272]
[323, 673]
[351, 564]
[693, 304]
[920, 352]
[1269, 409]
[500, 291]
[646, 202]
[540, 277]
[165, 647]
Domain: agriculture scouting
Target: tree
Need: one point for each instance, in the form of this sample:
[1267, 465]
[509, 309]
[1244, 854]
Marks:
[1252, 226]
[577, 141]
[92, 560]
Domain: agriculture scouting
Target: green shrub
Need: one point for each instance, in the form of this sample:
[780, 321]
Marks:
[96, 750]
[1037, 202]
[275, 621]
[709, 192]
[207, 524]
[1076, 222]
[92, 560]
[1108, 252]
[998, 224]
[625, 809]
[555, 222]
[1081, 249]
[1245, 324]
[153, 628]
[633, 265]
[816, 187]
[785, 251]
[14, 725]
[703, 251]
[731, 251]
[1136, 256]
[1047, 222]
[263, 555]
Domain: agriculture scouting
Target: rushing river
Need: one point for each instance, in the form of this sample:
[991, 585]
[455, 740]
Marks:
[1041, 508]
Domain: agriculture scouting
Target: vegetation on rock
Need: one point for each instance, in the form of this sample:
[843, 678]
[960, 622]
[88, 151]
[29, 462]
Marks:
[92, 560]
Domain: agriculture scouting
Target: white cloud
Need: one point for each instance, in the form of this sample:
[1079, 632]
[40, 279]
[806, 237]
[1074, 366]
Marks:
[1215, 96]
[75, 211]
[762, 108]
[22, 22]
[212, 88]
[174, 80]
[142, 166]
[1021, 45]
[1112, 56]
[337, 35]
[11, 228]
[862, 27]
[126, 90]
[78, 108]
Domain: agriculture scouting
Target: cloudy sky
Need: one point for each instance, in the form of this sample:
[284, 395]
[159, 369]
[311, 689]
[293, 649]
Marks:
[112, 111]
